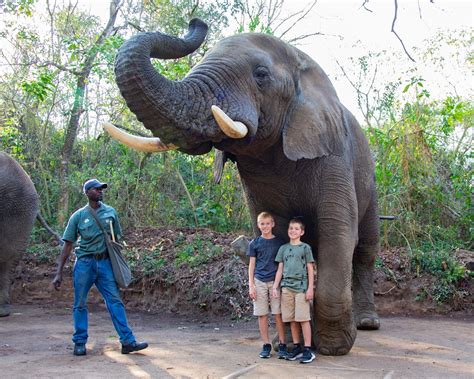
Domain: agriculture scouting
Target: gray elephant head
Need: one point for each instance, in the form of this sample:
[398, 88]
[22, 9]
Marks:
[267, 86]
[271, 109]
[18, 211]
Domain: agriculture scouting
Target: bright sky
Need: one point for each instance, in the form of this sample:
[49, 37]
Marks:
[365, 31]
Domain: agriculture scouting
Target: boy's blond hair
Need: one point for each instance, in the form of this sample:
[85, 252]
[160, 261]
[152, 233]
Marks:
[265, 215]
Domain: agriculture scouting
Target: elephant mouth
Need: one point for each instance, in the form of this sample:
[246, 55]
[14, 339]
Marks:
[232, 129]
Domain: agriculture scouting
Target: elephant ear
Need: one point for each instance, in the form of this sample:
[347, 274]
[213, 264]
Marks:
[316, 126]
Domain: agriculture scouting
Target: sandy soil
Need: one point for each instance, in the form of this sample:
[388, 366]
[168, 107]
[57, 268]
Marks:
[172, 305]
[35, 342]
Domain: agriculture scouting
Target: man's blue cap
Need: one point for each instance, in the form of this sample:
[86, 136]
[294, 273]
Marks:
[93, 183]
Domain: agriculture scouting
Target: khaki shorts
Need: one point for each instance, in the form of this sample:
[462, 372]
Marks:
[264, 298]
[294, 306]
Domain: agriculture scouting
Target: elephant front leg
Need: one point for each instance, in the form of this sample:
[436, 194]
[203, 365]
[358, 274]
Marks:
[5, 289]
[335, 330]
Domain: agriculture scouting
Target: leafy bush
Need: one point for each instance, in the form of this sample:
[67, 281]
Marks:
[196, 252]
[444, 267]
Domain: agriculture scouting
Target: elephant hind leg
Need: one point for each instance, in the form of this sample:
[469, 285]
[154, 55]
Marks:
[365, 316]
[367, 249]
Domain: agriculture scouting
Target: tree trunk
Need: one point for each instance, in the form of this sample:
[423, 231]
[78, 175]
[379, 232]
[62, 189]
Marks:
[76, 111]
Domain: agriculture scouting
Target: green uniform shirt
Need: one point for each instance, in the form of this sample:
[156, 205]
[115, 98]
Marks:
[82, 224]
[295, 271]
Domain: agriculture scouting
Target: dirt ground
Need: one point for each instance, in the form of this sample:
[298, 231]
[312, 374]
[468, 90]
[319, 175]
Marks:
[35, 342]
[189, 301]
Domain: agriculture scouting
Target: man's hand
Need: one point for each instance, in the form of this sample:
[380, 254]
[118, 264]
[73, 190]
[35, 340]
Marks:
[253, 292]
[57, 281]
[309, 294]
[66, 251]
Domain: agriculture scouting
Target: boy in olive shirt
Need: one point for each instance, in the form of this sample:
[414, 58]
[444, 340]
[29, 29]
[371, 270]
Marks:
[296, 274]
[262, 269]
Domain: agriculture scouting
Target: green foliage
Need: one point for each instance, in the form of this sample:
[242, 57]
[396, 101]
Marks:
[196, 252]
[40, 87]
[19, 7]
[10, 140]
[42, 253]
[438, 262]
[150, 262]
[173, 70]
[255, 25]
[423, 169]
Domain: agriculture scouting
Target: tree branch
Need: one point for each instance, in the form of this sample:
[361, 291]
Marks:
[394, 32]
[363, 6]
[59, 66]
[300, 18]
[299, 38]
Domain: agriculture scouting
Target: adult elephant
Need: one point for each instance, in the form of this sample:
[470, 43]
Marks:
[272, 110]
[18, 209]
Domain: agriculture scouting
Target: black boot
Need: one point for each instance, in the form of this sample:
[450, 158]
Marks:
[134, 347]
[80, 349]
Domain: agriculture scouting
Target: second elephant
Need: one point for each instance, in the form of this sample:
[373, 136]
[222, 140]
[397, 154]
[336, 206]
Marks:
[18, 209]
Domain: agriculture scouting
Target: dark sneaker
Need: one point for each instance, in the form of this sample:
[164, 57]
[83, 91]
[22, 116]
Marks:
[266, 351]
[296, 353]
[308, 356]
[80, 349]
[282, 353]
[126, 349]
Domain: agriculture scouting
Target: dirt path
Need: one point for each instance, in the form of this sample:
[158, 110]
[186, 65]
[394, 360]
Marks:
[35, 342]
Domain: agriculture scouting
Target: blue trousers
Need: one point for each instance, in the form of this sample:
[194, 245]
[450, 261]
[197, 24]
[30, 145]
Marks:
[89, 271]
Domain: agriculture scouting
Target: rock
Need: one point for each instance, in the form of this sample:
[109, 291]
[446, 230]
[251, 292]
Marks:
[240, 246]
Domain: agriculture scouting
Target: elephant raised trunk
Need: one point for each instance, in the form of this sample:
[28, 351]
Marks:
[162, 104]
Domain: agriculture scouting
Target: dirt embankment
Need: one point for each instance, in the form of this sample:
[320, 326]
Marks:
[183, 270]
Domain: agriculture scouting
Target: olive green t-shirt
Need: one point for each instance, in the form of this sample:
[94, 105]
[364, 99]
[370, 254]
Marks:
[84, 226]
[295, 259]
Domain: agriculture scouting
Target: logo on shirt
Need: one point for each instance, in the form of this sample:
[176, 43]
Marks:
[86, 221]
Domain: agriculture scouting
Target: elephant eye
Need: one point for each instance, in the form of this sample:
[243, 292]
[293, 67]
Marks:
[261, 74]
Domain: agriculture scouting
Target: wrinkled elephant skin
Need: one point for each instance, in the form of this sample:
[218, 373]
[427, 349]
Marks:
[298, 150]
[18, 210]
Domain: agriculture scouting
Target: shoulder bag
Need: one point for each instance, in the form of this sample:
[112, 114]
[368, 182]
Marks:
[122, 273]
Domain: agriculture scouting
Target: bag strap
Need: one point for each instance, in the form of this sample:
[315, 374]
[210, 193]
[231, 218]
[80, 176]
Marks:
[94, 214]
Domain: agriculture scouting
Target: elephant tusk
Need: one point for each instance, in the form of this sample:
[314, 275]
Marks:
[231, 128]
[145, 144]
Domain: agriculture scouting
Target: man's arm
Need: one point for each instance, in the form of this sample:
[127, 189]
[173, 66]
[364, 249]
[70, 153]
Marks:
[276, 283]
[65, 253]
[252, 290]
